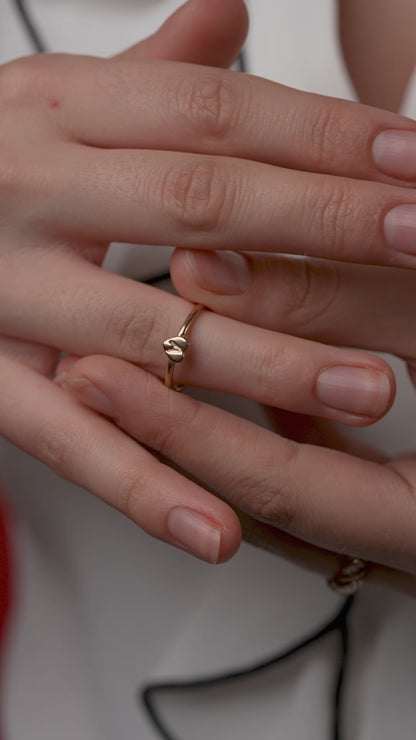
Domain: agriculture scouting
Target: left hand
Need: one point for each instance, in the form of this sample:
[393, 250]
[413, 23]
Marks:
[336, 501]
[297, 494]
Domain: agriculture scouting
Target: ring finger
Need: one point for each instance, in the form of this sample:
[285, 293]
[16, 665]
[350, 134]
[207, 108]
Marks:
[97, 312]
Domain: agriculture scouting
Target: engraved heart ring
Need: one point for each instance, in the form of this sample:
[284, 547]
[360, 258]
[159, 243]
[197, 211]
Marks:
[175, 348]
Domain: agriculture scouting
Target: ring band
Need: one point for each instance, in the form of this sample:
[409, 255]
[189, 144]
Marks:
[176, 347]
[350, 576]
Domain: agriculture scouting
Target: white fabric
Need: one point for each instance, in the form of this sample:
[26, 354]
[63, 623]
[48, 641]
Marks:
[102, 608]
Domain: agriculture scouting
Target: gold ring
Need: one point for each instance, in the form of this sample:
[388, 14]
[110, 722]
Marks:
[350, 576]
[176, 347]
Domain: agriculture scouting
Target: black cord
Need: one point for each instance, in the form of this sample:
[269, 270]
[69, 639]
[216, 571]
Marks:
[29, 25]
[339, 623]
[242, 62]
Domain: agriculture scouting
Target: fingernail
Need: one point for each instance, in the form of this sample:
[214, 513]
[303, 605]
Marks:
[394, 153]
[354, 390]
[195, 533]
[224, 273]
[400, 228]
[89, 394]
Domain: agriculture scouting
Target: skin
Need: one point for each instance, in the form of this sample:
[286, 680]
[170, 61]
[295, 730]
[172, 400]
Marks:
[199, 168]
[377, 39]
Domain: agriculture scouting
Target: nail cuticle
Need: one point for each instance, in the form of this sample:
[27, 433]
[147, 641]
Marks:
[400, 228]
[358, 391]
[394, 153]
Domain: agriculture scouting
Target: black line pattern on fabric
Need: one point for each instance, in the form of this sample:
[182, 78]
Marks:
[29, 25]
[338, 624]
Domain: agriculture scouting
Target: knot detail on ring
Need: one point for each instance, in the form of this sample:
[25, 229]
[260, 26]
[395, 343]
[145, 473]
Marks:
[175, 348]
[350, 576]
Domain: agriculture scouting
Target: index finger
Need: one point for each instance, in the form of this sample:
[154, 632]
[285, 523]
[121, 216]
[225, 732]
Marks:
[176, 106]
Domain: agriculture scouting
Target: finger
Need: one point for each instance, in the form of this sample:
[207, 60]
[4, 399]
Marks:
[39, 358]
[322, 496]
[317, 559]
[65, 364]
[167, 105]
[312, 430]
[208, 32]
[220, 203]
[97, 312]
[90, 451]
[340, 303]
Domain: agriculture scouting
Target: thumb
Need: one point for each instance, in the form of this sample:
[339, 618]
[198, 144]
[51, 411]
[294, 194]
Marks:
[209, 32]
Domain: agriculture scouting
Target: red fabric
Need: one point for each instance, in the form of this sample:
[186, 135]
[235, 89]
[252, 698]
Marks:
[5, 583]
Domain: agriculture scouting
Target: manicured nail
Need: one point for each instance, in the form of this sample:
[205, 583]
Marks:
[224, 273]
[354, 390]
[400, 228]
[195, 533]
[89, 394]
[394, 153]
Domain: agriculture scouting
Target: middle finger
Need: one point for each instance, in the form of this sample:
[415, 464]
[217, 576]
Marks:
[210, 202]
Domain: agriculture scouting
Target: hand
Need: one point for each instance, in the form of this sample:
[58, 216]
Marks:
[347, 497]
[336, 303]
[44, 163]
[295, 494]
[81, 168]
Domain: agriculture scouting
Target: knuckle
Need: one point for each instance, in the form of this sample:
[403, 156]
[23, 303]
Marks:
[172, 420]
[275, 504]
[332, 210]
[315, 291]
[28, 79]
[17, 81]
[265, 492]
[196, 195]
[274, 508]
[267, 501]
[132, 485]
[268, 358]
[210, 103]
[135, 328]
[322, 131]
[54, 445]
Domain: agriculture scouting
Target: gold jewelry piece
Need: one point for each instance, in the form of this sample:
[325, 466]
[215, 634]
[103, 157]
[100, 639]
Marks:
[350, 576]
[176, 347]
